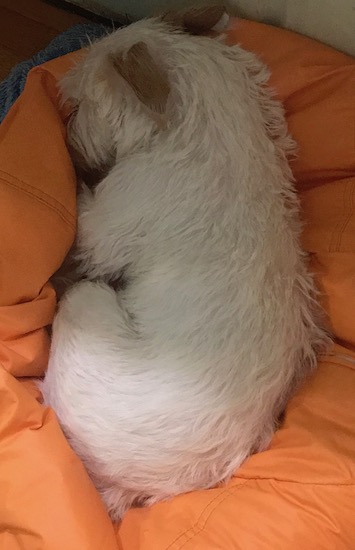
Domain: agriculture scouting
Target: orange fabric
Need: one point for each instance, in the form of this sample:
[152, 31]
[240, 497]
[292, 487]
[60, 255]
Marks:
[300, 493]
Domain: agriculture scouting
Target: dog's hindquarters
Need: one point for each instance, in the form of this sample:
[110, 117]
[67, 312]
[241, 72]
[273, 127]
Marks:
[146, 428]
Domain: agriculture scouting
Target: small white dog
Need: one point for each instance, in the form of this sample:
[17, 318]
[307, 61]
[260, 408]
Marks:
[169, 383]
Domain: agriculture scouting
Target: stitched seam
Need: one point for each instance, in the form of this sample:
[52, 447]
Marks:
[348, 217]
[332, 246]
[62, 212]
[337, 228]
[348, 209]
[197, 530]
[343, 360]
[330, 357]
[332, 362]
[216, 501]
[296, 482]
[37, 192]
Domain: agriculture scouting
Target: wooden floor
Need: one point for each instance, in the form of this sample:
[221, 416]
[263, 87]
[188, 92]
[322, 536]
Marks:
[27, 26]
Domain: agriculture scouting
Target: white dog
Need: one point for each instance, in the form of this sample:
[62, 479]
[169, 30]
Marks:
[169, 383]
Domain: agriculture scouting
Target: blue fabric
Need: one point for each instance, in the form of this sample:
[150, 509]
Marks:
[72, 39]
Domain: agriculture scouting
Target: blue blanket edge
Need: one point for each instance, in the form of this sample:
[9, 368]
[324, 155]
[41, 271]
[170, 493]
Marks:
[72, 39]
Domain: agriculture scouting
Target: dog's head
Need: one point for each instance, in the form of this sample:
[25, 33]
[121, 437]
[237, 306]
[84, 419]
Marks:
[120, 89]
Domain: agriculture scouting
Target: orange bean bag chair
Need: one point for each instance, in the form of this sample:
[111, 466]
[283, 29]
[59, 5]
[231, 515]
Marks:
[299, 494]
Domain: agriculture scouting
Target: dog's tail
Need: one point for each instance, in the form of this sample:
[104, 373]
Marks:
[91, 323]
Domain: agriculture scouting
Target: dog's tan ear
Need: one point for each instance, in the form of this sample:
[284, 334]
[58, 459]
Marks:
[197, 20]
[145, 77]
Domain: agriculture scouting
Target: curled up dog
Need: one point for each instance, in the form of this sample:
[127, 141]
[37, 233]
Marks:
[168, 383]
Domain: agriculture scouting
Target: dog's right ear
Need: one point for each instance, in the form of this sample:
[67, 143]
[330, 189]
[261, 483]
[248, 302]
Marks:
[148, 81]
[200, 19]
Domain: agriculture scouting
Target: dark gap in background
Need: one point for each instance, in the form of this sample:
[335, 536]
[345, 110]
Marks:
[118, 20]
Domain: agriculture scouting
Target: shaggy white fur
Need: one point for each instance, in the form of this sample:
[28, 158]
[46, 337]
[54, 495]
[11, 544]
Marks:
[169, 384]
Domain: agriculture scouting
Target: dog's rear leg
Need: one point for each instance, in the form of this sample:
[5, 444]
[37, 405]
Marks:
[95, 308]
[107, 237]
[117, 501]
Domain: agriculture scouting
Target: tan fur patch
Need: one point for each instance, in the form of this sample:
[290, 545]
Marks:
[147, 80]
[197, 20]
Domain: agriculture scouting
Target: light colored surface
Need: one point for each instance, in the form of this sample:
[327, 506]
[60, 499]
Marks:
[330, 21]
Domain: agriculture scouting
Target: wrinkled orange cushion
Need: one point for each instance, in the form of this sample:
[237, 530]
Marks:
[300, 493]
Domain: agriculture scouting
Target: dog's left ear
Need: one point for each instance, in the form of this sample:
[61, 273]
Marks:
[144, 76]
[200, 19]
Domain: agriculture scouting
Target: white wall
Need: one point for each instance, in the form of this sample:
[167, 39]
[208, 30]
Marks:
[330, 21]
